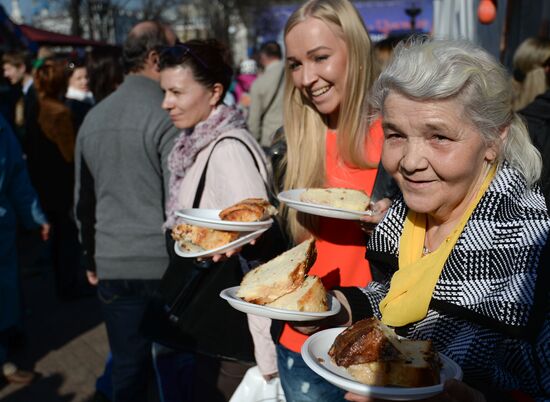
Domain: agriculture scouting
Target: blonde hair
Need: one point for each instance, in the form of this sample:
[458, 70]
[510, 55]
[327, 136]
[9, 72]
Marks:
[305, 128]
[445, 69]
[529, 76]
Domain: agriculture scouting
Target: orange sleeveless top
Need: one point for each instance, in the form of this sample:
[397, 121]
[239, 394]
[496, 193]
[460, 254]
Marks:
[341, 243]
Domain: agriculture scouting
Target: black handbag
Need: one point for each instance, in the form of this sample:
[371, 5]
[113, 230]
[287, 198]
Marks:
[189, 315]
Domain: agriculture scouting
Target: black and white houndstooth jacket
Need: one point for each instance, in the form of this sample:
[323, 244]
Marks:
[490, 308]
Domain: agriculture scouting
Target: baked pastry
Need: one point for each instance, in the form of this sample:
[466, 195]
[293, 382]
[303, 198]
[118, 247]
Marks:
[279, 276]
[374, 355]
[205, 238]
[343, 198]
[248, 210]
[310, 297]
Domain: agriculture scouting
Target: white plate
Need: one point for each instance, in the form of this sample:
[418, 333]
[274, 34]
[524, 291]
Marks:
[315, 354]
[292, 199]
[199, 252]
[209, 218]
[230, 294]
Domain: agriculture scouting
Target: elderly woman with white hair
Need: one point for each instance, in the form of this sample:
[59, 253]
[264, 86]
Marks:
[461, 256]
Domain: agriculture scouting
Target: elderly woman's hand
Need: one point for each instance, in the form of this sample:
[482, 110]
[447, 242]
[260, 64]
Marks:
[378, 209]
[453, 391]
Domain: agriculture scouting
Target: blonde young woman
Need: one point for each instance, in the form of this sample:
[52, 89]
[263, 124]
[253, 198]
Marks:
[329, 72]
[529, 73]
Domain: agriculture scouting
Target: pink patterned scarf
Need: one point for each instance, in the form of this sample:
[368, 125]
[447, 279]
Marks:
[188, 145]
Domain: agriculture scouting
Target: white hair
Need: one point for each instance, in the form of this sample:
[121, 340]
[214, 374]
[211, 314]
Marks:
[426, 70]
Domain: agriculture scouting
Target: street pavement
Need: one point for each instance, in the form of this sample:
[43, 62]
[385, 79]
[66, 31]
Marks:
[66, 341]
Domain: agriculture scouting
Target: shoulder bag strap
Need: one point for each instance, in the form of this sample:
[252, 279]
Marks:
[200, 187]
[274, 96]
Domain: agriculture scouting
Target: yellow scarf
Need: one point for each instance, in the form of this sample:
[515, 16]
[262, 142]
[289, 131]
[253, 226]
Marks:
[413, 284]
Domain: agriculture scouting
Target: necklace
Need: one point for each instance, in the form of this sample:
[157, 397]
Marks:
[426, 250]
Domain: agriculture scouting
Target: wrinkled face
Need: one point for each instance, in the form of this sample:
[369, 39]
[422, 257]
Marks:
[13, 73]
[434, 153]
[187, 101]
[79, 79]
[317, 58]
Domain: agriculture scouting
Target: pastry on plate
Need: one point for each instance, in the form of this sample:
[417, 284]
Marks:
[374, 355]
[248, 210]
[190, 237]
[342, 198]
[310, 297]
[279, 276]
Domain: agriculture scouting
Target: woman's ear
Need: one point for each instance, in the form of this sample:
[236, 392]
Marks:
[495, 149]
[217, 91]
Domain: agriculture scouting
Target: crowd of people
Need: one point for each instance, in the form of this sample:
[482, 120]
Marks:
[98, 154]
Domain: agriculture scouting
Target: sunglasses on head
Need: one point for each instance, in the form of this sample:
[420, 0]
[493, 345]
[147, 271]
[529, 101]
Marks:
[179, 51]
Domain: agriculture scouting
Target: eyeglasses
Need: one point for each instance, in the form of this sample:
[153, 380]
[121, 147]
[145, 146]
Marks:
[176, 53]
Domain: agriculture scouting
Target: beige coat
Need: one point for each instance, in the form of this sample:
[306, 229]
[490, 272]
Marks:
[261, 92]
[231, 176]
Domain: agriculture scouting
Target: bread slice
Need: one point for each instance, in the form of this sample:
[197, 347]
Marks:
[279, 276]
[343, 198]
[374, 355]
[248, 210]
[419, 367]
[310, 297]
[204, 238]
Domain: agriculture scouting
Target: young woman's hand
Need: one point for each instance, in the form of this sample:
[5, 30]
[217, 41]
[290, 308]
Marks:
[229, 253]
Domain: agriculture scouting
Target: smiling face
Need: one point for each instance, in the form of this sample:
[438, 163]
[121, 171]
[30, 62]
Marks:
[435, 155]
[79, 79]
[317, 60]
[187, 101]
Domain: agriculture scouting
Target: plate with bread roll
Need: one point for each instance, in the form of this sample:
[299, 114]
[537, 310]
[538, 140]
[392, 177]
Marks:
[196, 241]
[369, 359]
[248, 215]
[281, 289]
[340, 203]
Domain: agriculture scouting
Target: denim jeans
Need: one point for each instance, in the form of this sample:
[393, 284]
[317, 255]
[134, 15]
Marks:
[123, 303]
[300, 383]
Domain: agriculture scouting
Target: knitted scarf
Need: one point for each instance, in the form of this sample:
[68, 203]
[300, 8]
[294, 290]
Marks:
[190, 143]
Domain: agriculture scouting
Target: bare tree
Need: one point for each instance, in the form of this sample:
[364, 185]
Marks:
[153, 9]
[100, 16]
[219, 15]
[74, 12]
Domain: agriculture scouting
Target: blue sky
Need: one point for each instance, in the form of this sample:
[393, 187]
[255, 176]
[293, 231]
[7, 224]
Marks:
[27, 6]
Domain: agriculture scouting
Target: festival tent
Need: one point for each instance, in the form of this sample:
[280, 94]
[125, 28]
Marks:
[25, 36]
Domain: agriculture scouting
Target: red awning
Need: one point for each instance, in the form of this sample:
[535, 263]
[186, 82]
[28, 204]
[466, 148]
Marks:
[43, 37]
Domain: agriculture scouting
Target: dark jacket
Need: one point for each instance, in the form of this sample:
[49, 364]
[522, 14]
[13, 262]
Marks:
[537, 116]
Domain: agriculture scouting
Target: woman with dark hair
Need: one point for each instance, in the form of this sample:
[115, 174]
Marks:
[105, 71]
[215, 149]
[51, 163]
